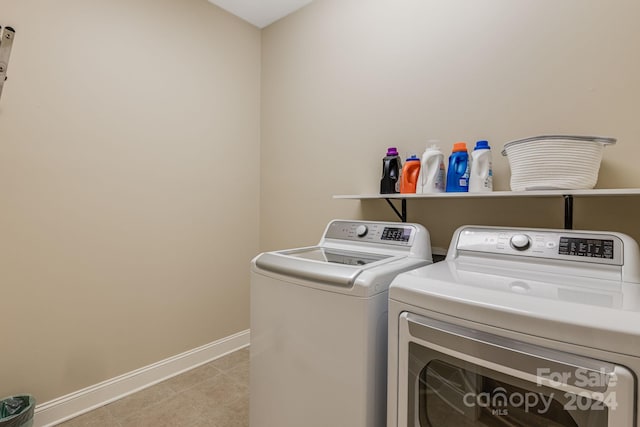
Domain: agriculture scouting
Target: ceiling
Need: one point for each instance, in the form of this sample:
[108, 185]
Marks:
[261, 12]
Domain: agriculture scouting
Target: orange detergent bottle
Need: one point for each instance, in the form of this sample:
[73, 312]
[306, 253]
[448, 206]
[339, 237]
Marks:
[409, 176]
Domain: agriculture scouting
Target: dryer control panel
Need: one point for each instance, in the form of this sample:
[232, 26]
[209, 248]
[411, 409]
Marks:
[600, 248]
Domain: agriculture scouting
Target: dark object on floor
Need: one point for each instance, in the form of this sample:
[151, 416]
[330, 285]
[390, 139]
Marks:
[17, 411]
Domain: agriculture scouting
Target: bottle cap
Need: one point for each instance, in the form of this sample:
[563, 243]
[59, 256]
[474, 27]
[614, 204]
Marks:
[392, 151]
[459, 146]
[413, 158]
[482, 145]
[433, 143]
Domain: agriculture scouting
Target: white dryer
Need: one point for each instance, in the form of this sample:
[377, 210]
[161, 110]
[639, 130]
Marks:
[518, 327]
[318, 352]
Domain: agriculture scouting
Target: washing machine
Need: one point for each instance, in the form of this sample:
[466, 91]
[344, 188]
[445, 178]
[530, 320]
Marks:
[518, 327]
[318, 352]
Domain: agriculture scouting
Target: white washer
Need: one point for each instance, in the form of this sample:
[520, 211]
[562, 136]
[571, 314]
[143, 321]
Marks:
[518, 327]
[319, 325]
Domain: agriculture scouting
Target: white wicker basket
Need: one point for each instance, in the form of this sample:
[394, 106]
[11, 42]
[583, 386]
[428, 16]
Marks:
[555, 162]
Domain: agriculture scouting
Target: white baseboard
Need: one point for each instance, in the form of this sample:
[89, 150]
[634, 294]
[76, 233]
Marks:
[66, 407]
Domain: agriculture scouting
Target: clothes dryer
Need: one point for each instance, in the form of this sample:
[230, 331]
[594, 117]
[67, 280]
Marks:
[518, 327]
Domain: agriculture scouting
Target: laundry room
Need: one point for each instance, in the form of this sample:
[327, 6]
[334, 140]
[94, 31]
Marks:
[150, 150]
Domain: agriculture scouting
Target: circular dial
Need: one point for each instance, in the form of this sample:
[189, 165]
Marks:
[520, 242]
[361, 231]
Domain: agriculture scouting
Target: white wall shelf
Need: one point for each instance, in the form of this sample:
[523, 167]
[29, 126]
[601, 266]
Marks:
[568, 196]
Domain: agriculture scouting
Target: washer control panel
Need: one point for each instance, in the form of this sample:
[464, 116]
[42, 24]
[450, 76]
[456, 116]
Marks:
[397, 234]
[567, 245]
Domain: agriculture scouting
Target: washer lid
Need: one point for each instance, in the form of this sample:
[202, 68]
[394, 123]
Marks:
[321, 264]
[335, 256]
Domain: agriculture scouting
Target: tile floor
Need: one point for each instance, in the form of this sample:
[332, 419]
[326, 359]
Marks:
[213, 395]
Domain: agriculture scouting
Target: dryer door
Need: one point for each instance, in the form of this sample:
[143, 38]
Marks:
[452, 376]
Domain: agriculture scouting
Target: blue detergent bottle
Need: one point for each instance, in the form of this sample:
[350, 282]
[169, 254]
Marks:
[458, 172]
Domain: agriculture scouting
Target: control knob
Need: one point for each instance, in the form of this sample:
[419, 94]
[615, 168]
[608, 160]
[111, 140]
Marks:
[520, 242]
[362, 230]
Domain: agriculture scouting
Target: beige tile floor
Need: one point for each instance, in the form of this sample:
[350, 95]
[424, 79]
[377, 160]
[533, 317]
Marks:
[214, 395]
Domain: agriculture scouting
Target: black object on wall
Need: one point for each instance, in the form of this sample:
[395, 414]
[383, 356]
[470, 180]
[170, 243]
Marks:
[6, 42]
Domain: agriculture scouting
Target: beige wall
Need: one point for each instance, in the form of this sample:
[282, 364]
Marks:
[344, 79]
[130, 150]
[129, 186]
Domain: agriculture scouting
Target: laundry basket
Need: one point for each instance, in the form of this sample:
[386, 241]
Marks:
[564, 162]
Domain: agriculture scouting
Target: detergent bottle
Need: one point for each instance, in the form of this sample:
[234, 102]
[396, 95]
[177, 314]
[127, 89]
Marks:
[431, 178]
[409, 176]
[458, 172]
[391, 169]
[481, 174]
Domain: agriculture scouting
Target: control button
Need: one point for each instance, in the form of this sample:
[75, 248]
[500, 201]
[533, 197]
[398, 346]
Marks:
[551, 245]
[520, 242]
[361, 231]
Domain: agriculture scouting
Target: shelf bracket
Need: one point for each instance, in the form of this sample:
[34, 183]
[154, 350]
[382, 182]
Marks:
[568, 211]
[402, 215]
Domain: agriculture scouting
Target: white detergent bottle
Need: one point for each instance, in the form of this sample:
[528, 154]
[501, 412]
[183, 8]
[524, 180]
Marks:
[431, 177]
[481, 174]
